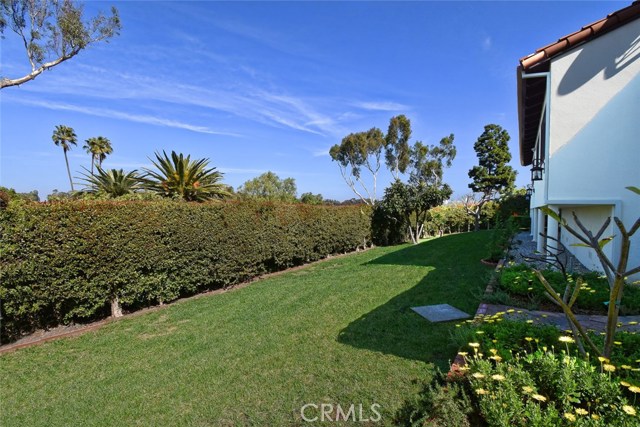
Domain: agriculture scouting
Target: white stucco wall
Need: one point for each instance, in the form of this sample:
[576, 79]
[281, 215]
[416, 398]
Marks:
[591, 217]
[594, 131]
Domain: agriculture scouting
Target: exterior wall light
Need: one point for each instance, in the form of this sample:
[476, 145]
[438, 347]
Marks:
[537, 170]
[529, 192]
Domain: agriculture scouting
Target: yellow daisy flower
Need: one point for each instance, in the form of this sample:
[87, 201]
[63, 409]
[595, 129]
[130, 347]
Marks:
[630, 410]
[570, 416]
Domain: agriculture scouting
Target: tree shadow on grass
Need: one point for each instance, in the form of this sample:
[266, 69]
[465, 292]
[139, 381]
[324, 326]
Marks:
[456, 277]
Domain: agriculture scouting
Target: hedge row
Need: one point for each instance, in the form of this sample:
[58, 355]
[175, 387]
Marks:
[65, 262]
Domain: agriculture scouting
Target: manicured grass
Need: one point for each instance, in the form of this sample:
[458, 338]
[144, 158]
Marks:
[338, 332]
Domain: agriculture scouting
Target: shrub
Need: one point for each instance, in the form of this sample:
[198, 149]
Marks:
[545, 389]
[538, 389]
[520, 280]
[63, 262]
[441, 402]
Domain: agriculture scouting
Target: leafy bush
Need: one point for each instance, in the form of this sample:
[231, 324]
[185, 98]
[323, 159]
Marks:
[501, 240]
[546, 389]
[541, 388]
[520, 280]
[63, 262]
[510, 338]
[441, 402]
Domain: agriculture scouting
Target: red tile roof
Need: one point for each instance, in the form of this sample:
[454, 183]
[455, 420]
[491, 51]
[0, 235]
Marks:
[531, 92]
[587, 33]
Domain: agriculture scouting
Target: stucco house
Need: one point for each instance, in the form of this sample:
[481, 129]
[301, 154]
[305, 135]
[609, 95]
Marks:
[579, 118]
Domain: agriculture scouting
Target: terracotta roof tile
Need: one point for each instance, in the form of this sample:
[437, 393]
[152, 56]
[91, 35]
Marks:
[588, 32]
[531, 92]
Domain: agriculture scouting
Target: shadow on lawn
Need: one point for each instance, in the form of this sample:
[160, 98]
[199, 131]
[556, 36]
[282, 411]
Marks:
[457, 278]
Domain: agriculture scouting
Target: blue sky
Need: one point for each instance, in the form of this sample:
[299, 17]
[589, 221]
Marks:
[258, 86]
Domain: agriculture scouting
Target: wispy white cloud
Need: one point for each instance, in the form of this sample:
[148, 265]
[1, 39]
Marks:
[322, 152]
[269, 107]
[487, 43]
[113, 114]
[381, 106]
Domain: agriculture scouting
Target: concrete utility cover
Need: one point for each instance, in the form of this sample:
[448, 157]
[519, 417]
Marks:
[440, 313]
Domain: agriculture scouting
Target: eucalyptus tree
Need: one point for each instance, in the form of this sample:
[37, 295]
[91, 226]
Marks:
[355, 152]
[427, 162]
[64, 136]
[397, 151]
[53, 31]
[180, 177]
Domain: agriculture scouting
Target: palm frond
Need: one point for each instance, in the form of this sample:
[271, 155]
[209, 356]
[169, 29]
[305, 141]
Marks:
[179, 176]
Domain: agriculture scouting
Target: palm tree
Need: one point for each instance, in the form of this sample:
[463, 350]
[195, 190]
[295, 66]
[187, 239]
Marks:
[181, 177]
[113, 182]
[98, 147]
[64, 136]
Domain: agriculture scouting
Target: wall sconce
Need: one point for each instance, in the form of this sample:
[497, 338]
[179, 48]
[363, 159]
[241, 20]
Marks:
[537, 170]
[529, 192]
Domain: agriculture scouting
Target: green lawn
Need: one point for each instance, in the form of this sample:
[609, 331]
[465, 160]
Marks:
[339, 332]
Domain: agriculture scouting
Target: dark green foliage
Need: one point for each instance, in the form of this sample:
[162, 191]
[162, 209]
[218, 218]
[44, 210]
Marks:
[406, 206]
[11, 194]
[493, 174]
[442, 402]
[501, 240]
[517, 280]
[515, 206]
[65, 261]
[314, 199]
[269, 186]
[397, 151]
[387, 229]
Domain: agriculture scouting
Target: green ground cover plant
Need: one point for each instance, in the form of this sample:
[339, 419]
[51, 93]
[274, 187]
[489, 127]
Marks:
[526, 374]
[340, 331]
[72, 261]
[510, 338]
[522, 284]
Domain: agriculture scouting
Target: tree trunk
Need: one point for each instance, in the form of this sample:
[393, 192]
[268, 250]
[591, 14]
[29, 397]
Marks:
[66, 159]
[116, 308]
[476, 221]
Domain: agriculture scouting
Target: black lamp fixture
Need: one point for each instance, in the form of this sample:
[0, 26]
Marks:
[529, 191]
[537, 170]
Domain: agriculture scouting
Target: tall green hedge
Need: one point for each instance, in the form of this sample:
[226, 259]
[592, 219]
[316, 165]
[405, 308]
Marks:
[63, 262]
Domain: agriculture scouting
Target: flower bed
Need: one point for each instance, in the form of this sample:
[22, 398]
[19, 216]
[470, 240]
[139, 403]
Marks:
[520, 284]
